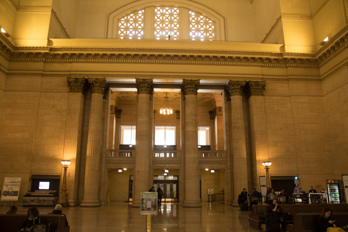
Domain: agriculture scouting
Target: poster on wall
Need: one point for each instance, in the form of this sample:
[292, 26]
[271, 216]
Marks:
[148, 203]
[345, 186]
[10, 189]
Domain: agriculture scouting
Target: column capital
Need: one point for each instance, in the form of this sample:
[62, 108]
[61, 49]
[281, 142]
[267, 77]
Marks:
[144, 86]
[190, 86]
[236, 87]
[256, 88]
[98, 85]
[76, 85]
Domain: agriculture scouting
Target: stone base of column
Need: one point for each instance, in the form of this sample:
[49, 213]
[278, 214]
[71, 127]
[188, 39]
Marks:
[73, 203]
[90, 204]
[192, 204]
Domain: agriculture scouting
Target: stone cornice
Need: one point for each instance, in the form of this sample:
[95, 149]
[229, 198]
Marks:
[175, 56]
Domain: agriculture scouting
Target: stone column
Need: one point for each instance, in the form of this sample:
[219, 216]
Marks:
[191, 169]
[143, 148]
[237, 139]
[227, 147]
[72, 139]
[258, 128]
[94, 144]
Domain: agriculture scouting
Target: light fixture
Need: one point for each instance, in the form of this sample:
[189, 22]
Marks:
[124, 169]
[322, 43]
[120, 170]
[267, 164]
[166, 109]
[166, 170]
[3, 30]
[207, 169]
[212, 171]
[164, 174]
[65, 162]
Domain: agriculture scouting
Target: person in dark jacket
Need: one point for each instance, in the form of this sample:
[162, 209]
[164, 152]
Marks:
[58, 210]
[325, 220]
[33, 219]
[160, 195]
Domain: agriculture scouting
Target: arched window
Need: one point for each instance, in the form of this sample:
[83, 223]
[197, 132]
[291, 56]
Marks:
[179, 22]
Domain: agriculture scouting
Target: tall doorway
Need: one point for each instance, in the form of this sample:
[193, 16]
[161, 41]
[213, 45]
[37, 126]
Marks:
[169, 185]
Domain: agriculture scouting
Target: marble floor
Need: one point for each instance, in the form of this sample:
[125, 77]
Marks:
[171, 217]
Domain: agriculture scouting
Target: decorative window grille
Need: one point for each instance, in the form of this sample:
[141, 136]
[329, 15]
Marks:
[201, 27]
[166, 23]
[131, 26]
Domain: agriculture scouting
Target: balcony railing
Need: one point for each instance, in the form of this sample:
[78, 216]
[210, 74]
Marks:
[212, 154]
[166, 154]
[110, 153]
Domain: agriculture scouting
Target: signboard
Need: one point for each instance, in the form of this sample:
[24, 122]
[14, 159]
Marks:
[210, 191]
[148, 203]
[345, 186]
[10, 189]
[263, 187]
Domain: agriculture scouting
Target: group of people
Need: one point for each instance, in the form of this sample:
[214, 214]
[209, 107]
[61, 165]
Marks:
[33, 216]
[159, 193]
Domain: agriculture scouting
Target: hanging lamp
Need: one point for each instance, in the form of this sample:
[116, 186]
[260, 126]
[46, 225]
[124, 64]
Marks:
[166, 109]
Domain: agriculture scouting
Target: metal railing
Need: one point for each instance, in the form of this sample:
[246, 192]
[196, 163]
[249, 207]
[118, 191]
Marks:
[212, 154]
[166, 153]
[111, 153]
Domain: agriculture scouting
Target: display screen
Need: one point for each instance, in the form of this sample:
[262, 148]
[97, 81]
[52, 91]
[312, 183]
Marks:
[298, 200]
[44, 185]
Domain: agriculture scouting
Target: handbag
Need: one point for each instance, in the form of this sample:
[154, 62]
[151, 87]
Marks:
[38, 227]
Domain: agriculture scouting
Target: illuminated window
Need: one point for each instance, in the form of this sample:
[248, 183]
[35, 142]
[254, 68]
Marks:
[203, 136]
[201, 27]
[166, 23]
[165, 135]
[131, 26]
[128, 135]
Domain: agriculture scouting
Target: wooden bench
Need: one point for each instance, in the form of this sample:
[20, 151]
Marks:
[13, 222]
[307, 222]
[258, 212]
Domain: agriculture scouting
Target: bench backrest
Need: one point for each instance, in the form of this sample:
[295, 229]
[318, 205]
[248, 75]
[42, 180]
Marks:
[13, 222]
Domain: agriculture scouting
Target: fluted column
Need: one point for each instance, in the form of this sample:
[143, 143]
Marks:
[94, 144]
[227, 147]
[72, 139]
[142, 178]
[237, 138]
[258, 128]
[192, 172]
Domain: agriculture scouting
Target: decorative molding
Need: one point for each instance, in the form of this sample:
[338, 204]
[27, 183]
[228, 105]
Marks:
[272, 29]
[256, 88]
[76, 85]
[97, 85]
[144, 86]
[190, 87]
[236, 87]
[344, 8]
[212, 114]
[60, 24]
[118, 112]
[177, 114]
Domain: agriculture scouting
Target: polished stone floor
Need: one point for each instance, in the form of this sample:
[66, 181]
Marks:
[119, 216]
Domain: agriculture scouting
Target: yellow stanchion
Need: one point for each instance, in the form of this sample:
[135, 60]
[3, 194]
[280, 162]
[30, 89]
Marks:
[148, 223]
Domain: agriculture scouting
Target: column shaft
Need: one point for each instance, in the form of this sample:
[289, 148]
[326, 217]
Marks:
[94, 145]
[238, 149]
[143, 158]
[192, 172]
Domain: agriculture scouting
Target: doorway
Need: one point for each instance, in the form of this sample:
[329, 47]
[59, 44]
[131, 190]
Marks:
[169, 186]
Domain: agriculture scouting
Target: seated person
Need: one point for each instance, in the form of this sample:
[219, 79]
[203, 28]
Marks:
[33, 219]
[257, 197]
[325, 220]
[283, 196]
[275, 217]
[58, 210]
[243, 197]
[271, 196]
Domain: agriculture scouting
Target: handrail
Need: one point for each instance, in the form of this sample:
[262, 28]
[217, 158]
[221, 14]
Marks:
[212, 154]
[166, 153]
[112, 153]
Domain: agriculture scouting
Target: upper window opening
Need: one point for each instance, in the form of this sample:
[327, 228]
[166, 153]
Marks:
[131, 26]
[201, 27]
[166, 23]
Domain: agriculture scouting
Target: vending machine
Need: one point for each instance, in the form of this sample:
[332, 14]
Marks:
[333, 191]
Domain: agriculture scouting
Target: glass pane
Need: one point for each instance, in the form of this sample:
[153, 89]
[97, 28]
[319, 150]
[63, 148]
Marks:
[128, 134]
[203, 136]
[165, 135]
[174, 190]
[168, 191]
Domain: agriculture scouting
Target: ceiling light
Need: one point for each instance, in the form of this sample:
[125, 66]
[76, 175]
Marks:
[166, 109]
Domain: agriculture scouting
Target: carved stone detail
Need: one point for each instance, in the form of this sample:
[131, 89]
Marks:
[144, 86]
[177, 113]
[236, 87]
[212, 114]
[190, 86]
[118, 112]
[76, 85]
[98, 85]
[256, 88]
